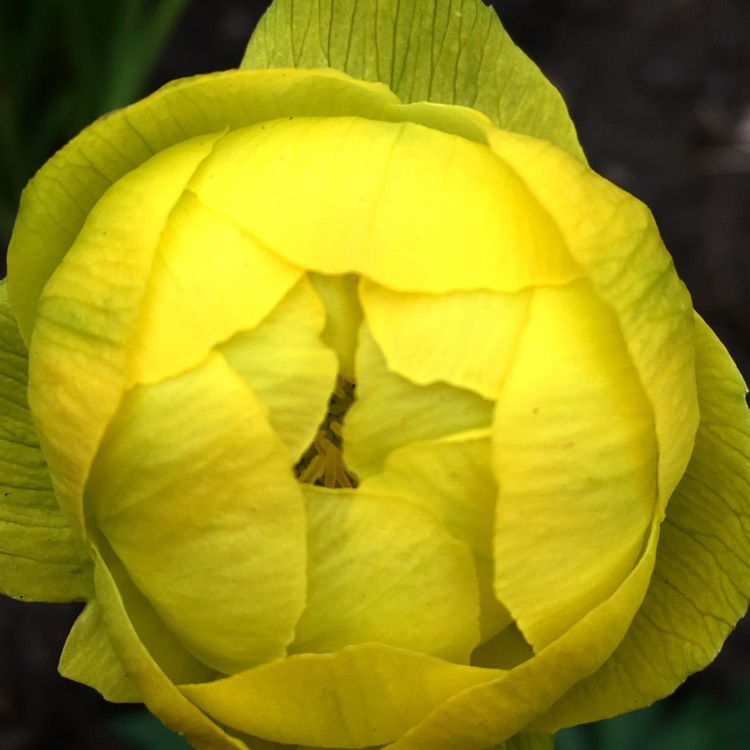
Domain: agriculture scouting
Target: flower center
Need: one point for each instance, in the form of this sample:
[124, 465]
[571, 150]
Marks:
[322, 463]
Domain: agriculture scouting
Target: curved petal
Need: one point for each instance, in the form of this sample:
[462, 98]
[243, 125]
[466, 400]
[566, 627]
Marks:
[574, 454]
[383, 569]
[362, 695]
[396, 202]
[87, 315]
[467, 339]
[701, 582]
[452, 477]
[157, 688]
[482, 716]
[288, 367]
[610, 234]
[208, 281]
[58, 199]
[196, 496]
[41, 557]
[391, 411]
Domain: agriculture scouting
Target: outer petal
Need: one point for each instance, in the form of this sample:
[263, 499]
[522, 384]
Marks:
[391, 411]
[610, 234]
[479, 717]
[57, 201]
[41, 558]
[87, 315]
[385, 200]
[574, 454]
[195, 494]
[382, 568]
[701, 582]
[157, 688]
[362, 695]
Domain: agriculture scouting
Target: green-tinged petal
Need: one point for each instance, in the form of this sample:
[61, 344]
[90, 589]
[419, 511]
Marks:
[90, 658]
[88, 313]
[196, 496]
[614, 238]
[467, 339]
[340, 297]
[41, 558]
[482, 716]
[382, 568]
[289, 368]
[701, 582]
[390, 411]
[58, 199]
[452, 477]
[347, 194]
[157, 688]
[208, 281]
[362, 695]
[574, 454]
[453, 52]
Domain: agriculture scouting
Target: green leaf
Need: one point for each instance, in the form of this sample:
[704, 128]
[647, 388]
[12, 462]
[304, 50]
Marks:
[40, 558]
[454, 52]
[701, 582]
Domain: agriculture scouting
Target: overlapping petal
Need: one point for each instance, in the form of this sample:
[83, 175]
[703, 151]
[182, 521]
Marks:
[700, 584]
[195, 494]
[391, 411]
[363, 695]
[372, 198]
[382, 568]
[575, 458]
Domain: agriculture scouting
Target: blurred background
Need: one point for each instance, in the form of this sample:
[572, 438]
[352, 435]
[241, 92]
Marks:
[660, 92]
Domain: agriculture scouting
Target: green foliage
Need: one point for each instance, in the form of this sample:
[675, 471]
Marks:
[62, 65]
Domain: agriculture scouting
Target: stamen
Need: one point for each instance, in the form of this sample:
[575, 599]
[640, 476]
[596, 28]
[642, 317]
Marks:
[322, 463]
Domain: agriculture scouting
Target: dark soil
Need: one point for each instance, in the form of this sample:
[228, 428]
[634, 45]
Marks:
[661, 96]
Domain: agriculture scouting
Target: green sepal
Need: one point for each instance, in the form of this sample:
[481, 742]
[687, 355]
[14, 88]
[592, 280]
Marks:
[449, 52]
[89, 657]
[40, 557]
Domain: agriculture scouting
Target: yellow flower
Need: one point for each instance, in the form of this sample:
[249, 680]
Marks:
[370, 423]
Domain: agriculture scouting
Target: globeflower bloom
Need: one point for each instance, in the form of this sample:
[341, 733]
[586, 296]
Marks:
[362, 422]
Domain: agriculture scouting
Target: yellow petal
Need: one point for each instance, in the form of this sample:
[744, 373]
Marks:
[391, 411]
[57, 201]
[360, 696]
[701, 581]
[574, 454]
[208, 281]
[484, 715]
[467, 339]
[156, 686]
[614, 238]
[452, 477]
[383, 569]
[289, 368]
[396, 202]
[88, 313]
[195, 494]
